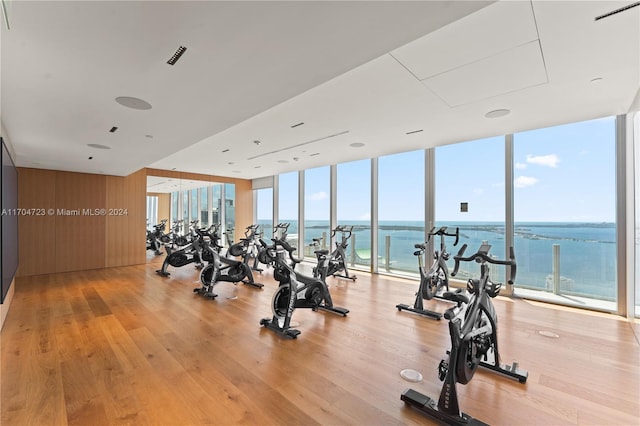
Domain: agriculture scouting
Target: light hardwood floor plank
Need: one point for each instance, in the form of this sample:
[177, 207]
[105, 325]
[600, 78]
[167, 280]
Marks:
[124, 346]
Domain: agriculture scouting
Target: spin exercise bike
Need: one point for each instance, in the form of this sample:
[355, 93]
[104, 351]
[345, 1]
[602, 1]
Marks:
[247, 247]
[336, 261]
[175, 237]
[435, 281]
[295, 291]
[190, 253]
[222, 269]
[474, 341]
[279, 233]
[154, 238]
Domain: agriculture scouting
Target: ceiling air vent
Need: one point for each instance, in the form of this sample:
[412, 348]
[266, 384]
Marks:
[613, 12]
[177, 55]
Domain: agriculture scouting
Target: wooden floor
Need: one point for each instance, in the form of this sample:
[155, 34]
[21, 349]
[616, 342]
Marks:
[125, 346]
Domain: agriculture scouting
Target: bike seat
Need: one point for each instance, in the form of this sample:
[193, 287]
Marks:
[455, 296]
[321, 252]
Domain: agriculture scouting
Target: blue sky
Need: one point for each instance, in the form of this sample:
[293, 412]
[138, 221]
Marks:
[562, 174]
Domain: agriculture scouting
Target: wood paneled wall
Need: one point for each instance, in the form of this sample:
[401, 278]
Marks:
[37, 234]
[58, 242]
[244, 192]
[244, 205]
[125, 242]
[67, 237]
[80, 238]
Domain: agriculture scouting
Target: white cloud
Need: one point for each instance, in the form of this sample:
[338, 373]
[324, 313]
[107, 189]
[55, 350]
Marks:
[521, 166]
[550, 160]
[366, 216]
[524, 181]
[318, 196]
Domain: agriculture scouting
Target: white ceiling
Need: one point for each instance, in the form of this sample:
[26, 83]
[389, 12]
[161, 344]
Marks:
[352, 72]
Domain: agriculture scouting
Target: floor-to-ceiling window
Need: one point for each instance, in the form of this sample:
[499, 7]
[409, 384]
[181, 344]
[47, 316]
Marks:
[204, 206]
[193, 207]
[400, 210]
[288, 205]
[185, 212]
[152, 211]
[316, 207]
[215, 203]
[264, 212]
[175, 210]
[565, 210]
[354, 209]
[470, 195]
[230, 211]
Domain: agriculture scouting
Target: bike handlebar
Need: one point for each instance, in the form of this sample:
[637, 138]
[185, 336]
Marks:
[347, 229]
[285, 245]
[483, 256]
[252, 231]
[443, 231]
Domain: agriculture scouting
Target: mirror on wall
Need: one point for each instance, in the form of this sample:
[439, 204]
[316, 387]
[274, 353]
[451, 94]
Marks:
[176, 199]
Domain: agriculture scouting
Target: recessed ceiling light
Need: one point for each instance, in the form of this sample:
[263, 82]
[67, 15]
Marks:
[90, 158]
[497, 113]
[237, 171]
[257, 167]
[297, 125]
[597, 80]
[296, 158]
[283, 161]
[148, 136]
[257, 142]
[113, 129]
[173, 168]
[356, 145]
[414, 131]
[134, 103]
[225, 150]
[230, 163]
[98, 146]
[313, 155]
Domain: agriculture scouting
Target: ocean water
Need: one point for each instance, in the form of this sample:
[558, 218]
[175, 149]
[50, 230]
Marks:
[587, 251]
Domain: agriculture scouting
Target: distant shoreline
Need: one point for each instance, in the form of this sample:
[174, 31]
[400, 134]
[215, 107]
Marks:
[523, 230]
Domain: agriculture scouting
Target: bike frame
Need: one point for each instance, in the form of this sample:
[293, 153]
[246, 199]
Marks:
[435, 278]
[472, 340]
